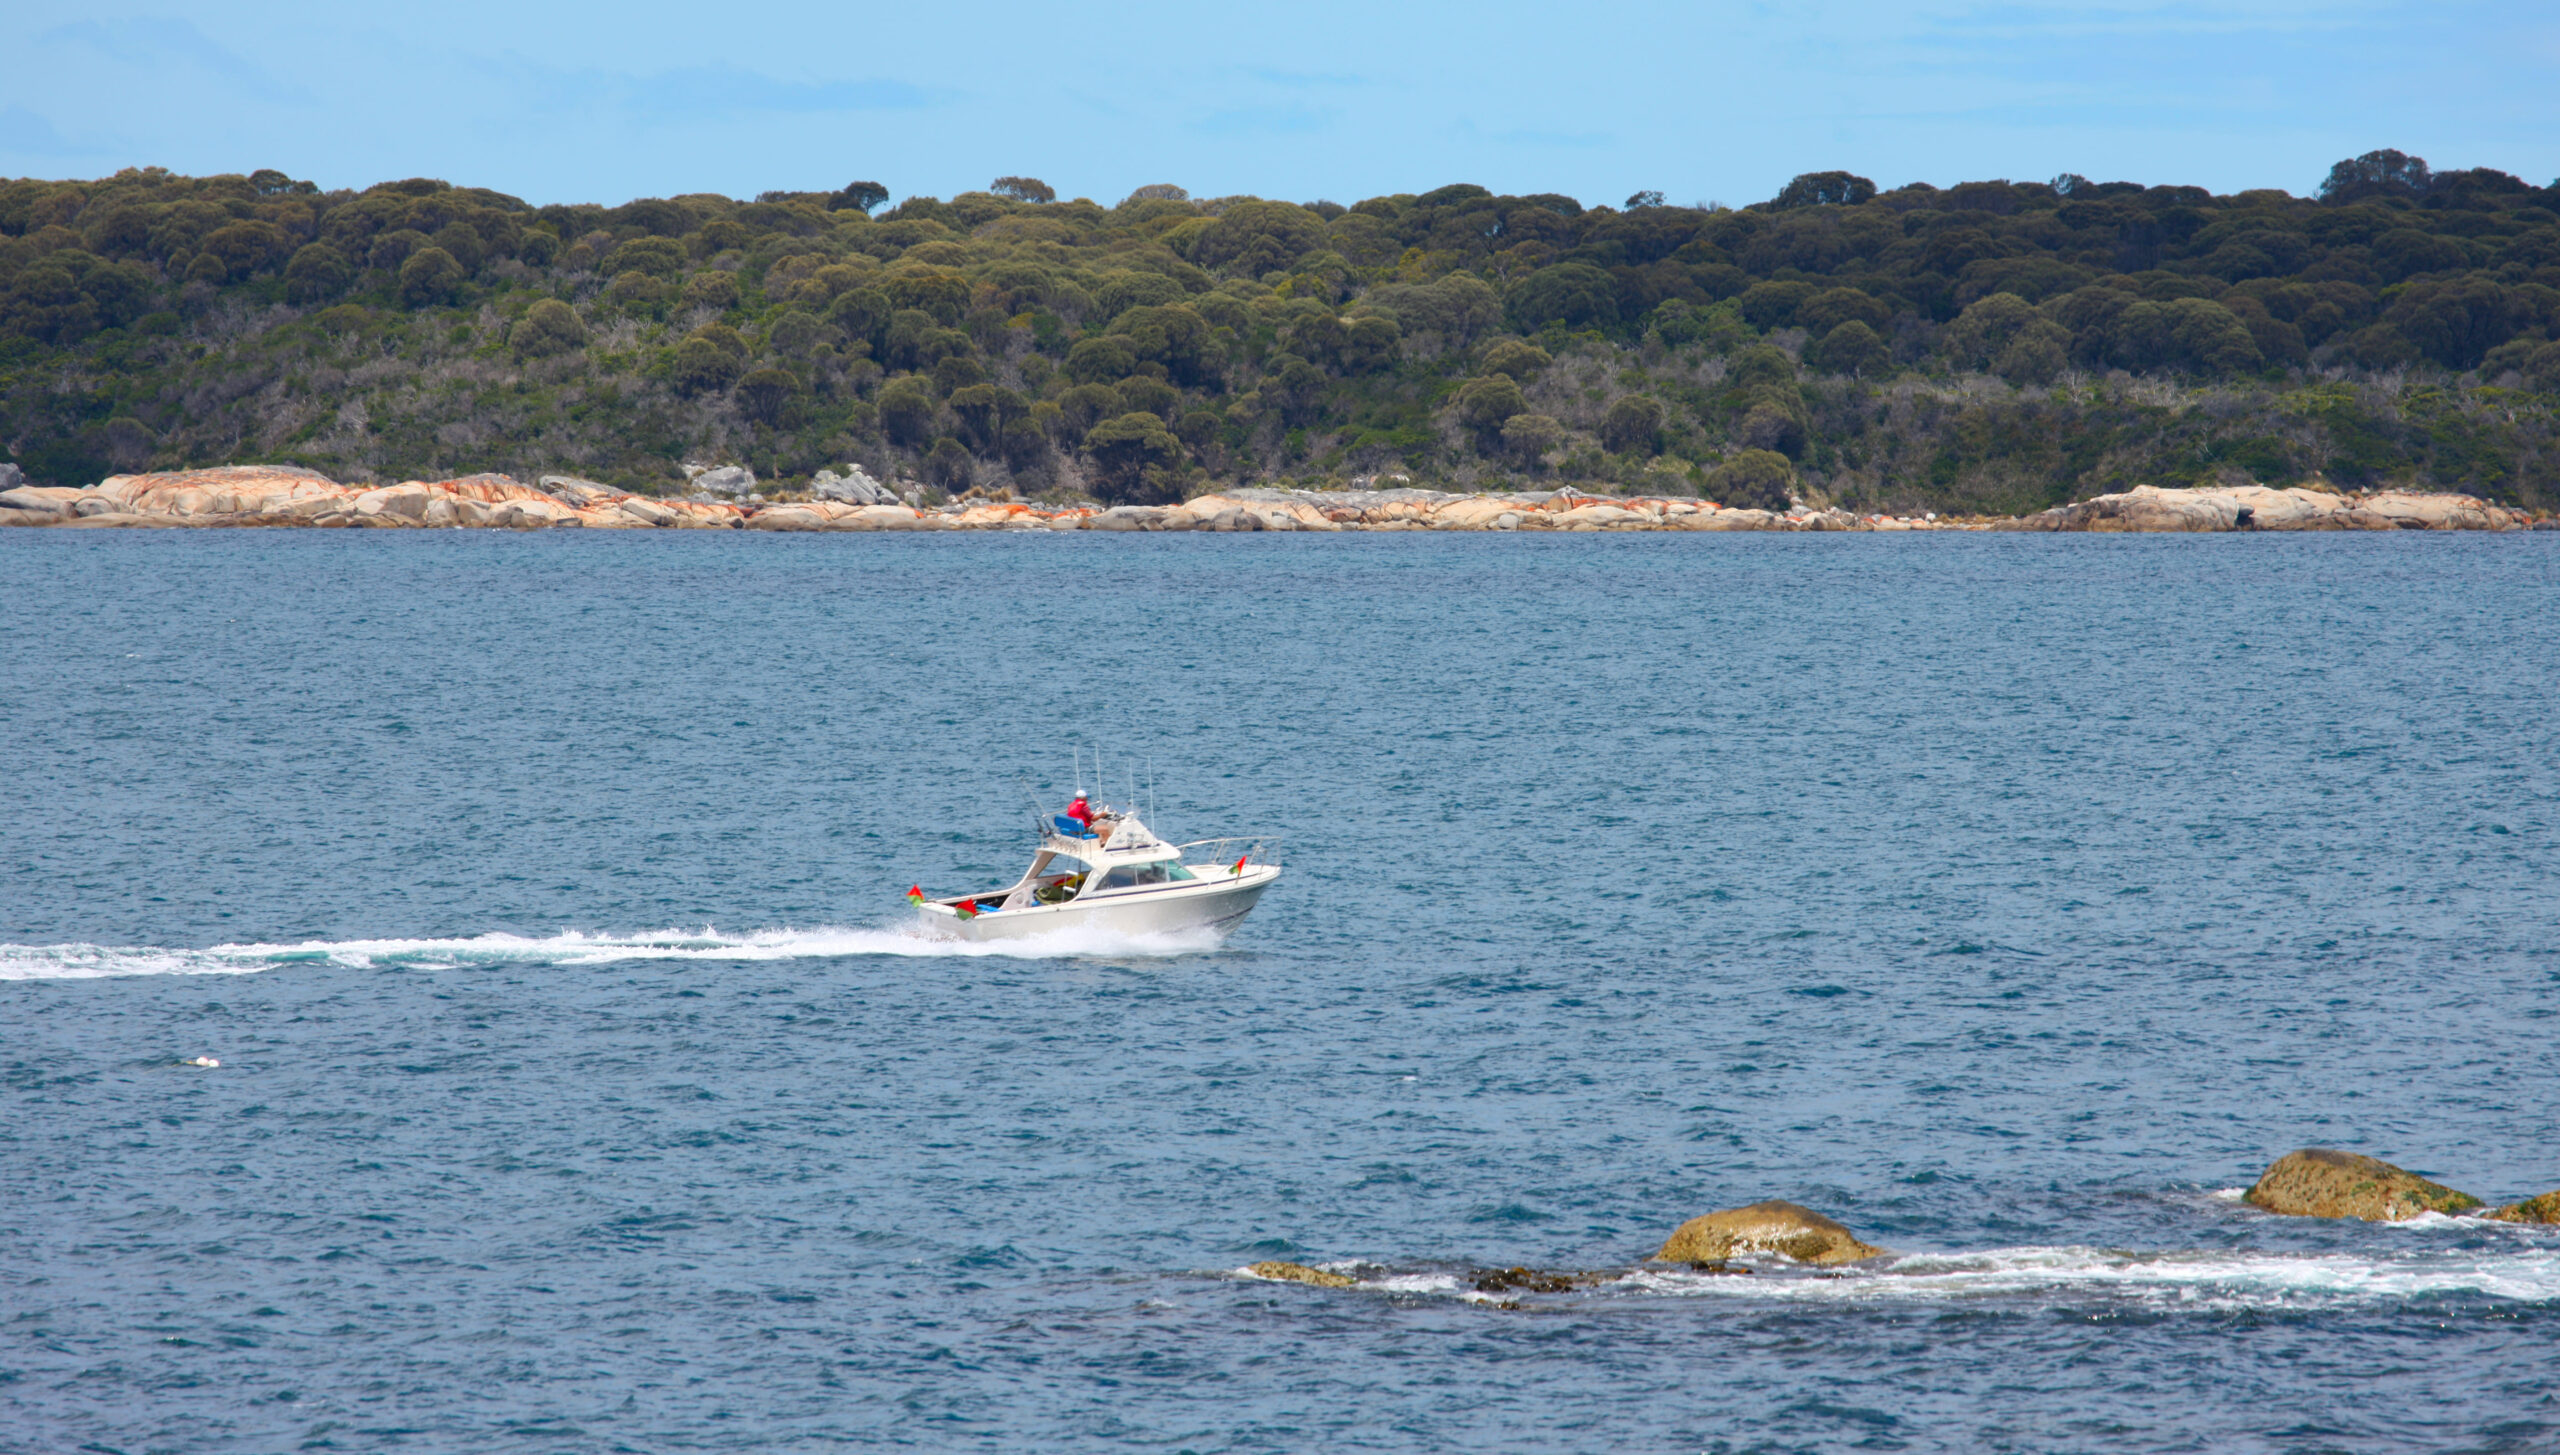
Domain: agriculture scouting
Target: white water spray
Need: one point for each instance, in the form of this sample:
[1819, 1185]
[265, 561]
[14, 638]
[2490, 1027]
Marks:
[572, 948]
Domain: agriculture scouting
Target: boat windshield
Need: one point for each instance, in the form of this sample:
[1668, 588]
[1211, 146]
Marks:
[1130, 876]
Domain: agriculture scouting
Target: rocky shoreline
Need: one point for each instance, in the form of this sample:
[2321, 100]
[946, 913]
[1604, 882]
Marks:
[2148, 508]
[274, 495]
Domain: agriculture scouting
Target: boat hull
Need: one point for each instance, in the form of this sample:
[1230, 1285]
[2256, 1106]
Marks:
[1209, 903]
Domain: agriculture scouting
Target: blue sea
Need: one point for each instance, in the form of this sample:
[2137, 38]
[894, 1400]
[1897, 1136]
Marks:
[585, 1085]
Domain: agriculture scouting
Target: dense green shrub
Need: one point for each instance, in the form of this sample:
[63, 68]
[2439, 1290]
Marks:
[1568, 295]
[548, 327]
[948, 464]
[712, 289]
[700, 366]
[1254, 238]
[1529, 436]
[1851, 348]
[1633, 425]
[764, 395]
[317, 271]
[1512, 356]
[429, 276]
[1134, 460]
[1483, 404]
[1752, 480]
[659, 257]
[907, 412]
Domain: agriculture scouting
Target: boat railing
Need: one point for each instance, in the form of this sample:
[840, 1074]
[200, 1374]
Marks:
[1227, 851]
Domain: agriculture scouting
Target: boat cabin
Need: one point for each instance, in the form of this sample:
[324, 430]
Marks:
[1130, 858]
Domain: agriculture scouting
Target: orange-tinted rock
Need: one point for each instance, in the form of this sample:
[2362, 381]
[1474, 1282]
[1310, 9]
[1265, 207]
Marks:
[226, 490]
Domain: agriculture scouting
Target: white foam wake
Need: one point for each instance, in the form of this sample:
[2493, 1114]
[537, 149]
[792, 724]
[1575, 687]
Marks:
[2206, 1280]
[80, 962]
[2525, 1269]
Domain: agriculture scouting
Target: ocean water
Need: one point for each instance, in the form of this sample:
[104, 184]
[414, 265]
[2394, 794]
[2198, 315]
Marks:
[585, 1086]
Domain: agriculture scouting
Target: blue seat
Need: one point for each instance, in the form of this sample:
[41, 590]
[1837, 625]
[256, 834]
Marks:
[1071, 828]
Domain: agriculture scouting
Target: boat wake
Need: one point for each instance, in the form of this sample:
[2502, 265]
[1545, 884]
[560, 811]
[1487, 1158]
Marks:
[85, 962]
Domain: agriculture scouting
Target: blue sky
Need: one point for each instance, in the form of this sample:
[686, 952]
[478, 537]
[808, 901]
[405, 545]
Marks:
[604, 102]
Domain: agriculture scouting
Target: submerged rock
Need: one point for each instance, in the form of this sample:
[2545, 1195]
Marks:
[2543, 1209]
[1300, 1273]
[1532, 1280]
[2319, 1182]
[1765, 1227]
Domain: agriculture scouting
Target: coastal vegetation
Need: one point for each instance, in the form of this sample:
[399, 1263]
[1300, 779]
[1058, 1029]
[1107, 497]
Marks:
[1986, 347]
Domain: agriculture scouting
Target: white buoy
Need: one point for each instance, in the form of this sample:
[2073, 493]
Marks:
[207, 1062]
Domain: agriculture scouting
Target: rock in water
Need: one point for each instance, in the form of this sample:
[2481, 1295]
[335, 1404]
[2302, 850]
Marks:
[2318, 1182]
[1300, 1273]
[11, 477]
[2543, 1209]
[1765, 1227]
[1533, 1280]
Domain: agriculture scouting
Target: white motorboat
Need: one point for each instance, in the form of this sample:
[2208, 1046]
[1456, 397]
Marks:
[1113, 874]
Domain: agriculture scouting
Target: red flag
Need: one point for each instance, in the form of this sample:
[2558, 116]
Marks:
[1239, 868]
[915, 895]
[968, 908]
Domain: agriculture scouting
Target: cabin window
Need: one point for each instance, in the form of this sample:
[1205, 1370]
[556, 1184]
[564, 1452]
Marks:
[1130, 876]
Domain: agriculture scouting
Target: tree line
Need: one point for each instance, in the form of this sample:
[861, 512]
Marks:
[1991, 345]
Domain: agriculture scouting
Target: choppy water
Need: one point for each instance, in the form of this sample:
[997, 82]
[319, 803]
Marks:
[2013, 899]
